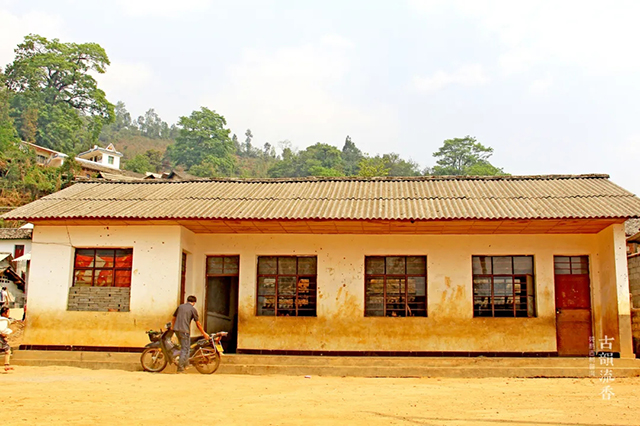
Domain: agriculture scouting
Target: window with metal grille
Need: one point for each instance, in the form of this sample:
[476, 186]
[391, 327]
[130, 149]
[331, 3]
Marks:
[503, 286]
[287, 286]
[395, 286]
[102, 267]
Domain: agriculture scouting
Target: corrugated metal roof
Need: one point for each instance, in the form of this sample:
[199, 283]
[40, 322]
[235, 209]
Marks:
[423, 198]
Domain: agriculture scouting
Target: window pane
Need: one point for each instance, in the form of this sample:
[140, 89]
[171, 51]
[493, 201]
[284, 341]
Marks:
[266, 305]
[562, 268]
[104, 277]
[124, 258]
[374, 307]
[266, 285]
[105, 258]
[502, 286]
[84, 258]
[580, 265]
[267, 265]
[287, 265]
[395, 306]
[286, 306]
[374, 265]
[215, 265]
[306, 306]
[482, 286]
[123, 279]
[482, 307]
[287, 286]
[395, 265]
[374, 286]
[523, 265]
[482, 265]
[416, 286]
[83, 278]
[502, 265]
[307, 286]
[306, 303]
[307, 265]
[416, 265]
[231, 265]
[395, 286]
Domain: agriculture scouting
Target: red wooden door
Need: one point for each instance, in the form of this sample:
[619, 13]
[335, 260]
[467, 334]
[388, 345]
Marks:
[183, 278]
[573, 305]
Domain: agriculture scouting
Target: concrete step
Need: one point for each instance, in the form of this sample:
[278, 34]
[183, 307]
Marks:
[354, 366]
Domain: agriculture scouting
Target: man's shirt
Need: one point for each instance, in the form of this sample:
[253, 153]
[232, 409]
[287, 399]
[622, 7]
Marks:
[184, 314]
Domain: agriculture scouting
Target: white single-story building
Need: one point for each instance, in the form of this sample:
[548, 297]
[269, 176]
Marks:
[511, 265]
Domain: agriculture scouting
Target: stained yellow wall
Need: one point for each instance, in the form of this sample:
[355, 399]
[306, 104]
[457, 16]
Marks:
[155, 272]
[340, 324]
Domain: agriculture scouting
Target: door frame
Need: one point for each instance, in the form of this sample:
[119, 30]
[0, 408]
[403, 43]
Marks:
[237, 301]
[591, 296]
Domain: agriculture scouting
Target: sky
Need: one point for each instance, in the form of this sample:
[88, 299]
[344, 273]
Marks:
[551, 86]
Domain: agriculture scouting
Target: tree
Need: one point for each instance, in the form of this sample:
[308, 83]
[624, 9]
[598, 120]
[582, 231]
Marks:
[464, 156]
[351, 156]
[8, 133]
[150, 161]
[55, 80]
[372, 167]
[317, 160]
[205, 143]
[398, 167]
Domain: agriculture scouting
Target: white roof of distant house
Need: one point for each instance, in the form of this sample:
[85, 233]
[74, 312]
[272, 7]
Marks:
[42, 148]
[111, 150]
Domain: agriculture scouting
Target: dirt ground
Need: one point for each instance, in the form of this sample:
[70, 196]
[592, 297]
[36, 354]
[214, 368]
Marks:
[73, 396]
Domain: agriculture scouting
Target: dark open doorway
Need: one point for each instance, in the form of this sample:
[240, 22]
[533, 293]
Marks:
[222, 298]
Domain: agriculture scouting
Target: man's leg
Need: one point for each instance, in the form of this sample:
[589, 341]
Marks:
[185, 343]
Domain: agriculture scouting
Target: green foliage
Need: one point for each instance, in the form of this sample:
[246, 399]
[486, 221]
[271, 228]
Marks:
[204, 145]
[351, 156]
[150, 161]
[23, 180]
[8, 133]
[372, 167]
[57, 102]
[464, 156]
[399, 167]
[317, 160]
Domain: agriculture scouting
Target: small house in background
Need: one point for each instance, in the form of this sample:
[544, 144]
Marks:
[107, 157]
[632, 230]
[46, 156]
[17, 242]
[102, 163]
[10, 279]
[501, 265]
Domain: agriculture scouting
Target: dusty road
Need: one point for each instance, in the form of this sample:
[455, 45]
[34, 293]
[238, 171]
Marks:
[73, 396]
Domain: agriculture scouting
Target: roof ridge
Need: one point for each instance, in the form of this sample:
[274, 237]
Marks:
[362, 179]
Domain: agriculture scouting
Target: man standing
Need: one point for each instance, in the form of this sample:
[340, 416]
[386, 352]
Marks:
[181, 325]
